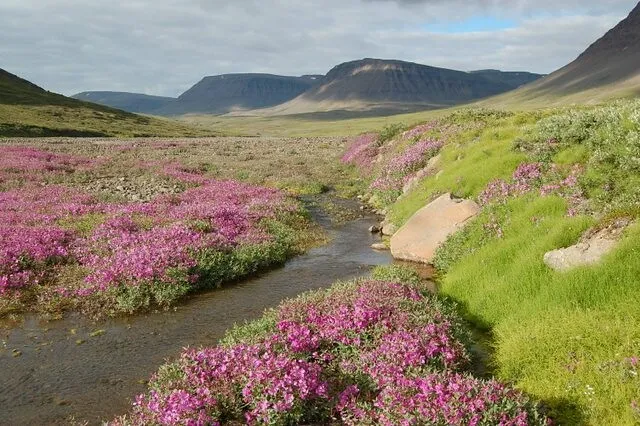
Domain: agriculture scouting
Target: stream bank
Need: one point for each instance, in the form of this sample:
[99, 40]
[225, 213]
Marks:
[76, 369]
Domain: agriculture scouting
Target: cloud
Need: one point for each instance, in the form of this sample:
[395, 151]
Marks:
[165, 46]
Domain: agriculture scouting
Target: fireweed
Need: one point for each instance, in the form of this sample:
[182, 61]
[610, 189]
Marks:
[362, 151]
[164, 247]
[365, 352]
[530, 177]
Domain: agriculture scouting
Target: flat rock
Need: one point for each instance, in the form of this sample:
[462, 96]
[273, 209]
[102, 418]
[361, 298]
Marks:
[590, 250]
[419, 238]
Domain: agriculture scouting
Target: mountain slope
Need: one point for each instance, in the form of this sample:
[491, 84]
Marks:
[131, 102]
[28, 110]
[609, 68]
[514, 79]
[18, 91]
[394, 86]
[224, 93]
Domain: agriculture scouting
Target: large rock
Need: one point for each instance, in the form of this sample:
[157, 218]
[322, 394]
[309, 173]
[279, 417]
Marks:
[590, 250]
[419, 238]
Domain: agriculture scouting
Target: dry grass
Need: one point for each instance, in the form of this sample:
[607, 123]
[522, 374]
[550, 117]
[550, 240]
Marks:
[300, 165]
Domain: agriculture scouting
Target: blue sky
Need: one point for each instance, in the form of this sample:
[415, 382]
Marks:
[163, 47]
[472, 24]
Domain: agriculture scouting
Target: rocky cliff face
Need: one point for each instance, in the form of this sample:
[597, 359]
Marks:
[224, 93]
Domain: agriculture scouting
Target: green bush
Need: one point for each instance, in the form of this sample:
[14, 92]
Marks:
[389, 132]
[396, 273]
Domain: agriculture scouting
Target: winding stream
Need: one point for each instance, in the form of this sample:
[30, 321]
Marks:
[55, 372]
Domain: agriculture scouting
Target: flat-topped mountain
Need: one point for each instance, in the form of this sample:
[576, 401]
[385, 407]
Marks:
[514, 79]
[391, 84]
[609, 68]
[132, 102]
[230, 92]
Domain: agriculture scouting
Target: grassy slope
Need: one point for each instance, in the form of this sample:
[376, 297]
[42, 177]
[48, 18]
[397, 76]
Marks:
[28, 110]
[566, 338]
[305, 124]
[56, 120]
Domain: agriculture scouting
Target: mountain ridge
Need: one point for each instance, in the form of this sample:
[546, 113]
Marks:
[126, 101]
[219, 94]
[608, 68]
[390, 85]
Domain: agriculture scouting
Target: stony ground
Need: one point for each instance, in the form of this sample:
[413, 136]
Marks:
[299, 165]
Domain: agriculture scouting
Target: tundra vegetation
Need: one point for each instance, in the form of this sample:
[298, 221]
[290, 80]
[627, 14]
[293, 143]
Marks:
[569, 339]
[110, 227]
[382, 350]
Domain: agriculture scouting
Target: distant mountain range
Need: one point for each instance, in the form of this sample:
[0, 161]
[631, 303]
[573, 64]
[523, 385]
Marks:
[382, 85]
[609, 68]
[394, 86]
[212, 95]
[132, 102]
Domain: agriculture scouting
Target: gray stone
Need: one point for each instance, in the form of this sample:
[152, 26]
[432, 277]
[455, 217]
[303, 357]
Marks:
[388, 228]
[592, 247]
[379, 246]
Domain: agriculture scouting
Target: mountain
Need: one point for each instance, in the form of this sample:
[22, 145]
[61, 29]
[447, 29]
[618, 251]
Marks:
[230, 92]
[18, 91]
[131, 102]
[514, 79]
[609, 68]
[31, 111]
[394, 86]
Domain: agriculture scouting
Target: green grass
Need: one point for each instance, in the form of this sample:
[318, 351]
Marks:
[85, 120]
[27, 110]
[466, 167]
[568, 339]
[557, 335]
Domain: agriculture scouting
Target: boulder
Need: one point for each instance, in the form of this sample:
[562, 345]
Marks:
[419, 238]
[590, 250]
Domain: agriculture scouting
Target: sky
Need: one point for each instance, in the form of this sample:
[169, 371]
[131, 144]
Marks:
[163, 47]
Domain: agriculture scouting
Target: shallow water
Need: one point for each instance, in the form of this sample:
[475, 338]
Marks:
[64, 373]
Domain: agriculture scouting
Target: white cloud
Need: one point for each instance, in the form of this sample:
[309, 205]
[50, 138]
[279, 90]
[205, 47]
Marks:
[164, 46]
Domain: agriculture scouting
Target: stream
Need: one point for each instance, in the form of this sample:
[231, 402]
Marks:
[55, 372]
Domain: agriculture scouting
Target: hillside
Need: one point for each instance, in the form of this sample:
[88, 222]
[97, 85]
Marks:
[609, 68]
[391, 86]
[29, 110]
[544, 185]
[131, 102]
[230, 92]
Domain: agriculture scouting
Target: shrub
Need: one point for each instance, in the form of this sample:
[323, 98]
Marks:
[363, 352]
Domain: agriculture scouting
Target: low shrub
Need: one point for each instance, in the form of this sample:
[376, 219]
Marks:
[362, 352]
